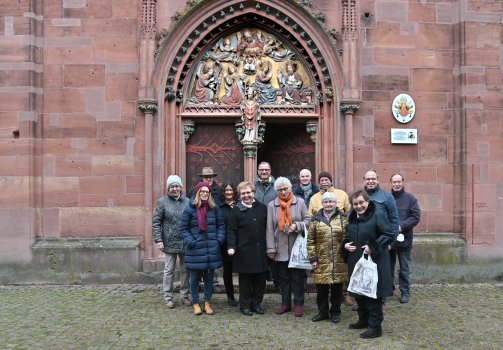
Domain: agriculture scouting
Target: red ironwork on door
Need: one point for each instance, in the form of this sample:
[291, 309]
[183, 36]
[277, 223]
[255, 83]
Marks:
[216, 146]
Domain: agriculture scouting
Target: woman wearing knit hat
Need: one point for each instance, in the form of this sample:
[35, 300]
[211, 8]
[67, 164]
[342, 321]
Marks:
[203, 230]
[167, 237]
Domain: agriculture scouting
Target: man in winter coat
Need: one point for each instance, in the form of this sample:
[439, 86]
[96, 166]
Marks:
[167, 237]
[264, 184]
[306, 188]
[409, 215]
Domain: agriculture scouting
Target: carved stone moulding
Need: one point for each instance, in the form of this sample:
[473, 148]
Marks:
[312, 129]
[188, 128]
[147, 105]
[263, 15]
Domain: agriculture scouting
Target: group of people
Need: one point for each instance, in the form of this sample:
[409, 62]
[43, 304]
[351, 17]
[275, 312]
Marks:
[251, 229]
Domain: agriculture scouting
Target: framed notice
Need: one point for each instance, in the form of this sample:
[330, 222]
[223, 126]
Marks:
[408, 136]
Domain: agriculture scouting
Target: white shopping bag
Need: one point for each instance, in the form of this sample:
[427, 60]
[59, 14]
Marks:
[364, 278]
[298, 256]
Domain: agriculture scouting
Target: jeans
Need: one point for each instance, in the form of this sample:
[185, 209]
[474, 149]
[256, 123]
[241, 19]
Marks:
[169, 276]
[404, 272]
[195, 276]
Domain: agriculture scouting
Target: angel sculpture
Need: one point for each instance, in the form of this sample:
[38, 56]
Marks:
[225, 50]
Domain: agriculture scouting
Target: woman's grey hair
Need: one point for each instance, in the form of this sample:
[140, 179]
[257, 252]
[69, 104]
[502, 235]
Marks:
[329, 196]
[282, 182]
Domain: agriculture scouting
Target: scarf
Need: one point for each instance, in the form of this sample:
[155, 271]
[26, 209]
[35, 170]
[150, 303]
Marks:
[201, 216]
[285, 215]
[308, 189]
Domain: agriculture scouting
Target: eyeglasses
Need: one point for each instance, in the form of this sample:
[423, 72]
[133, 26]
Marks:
[245, 193]
[370, 179]
[284, 189]
[264, 170]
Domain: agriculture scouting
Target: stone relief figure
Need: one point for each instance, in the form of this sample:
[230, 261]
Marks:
[250, 44]
[225, 50]
[266, 91]
[291, 85]
[251, 116]
[234, 86]
[277, 51]
[207, 83]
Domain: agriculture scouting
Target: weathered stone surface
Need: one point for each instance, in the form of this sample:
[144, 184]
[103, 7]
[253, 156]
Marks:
[84, 75]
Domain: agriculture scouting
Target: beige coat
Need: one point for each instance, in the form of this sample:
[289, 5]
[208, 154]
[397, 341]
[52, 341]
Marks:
[280, 242]
[323, 246]
[342, 200]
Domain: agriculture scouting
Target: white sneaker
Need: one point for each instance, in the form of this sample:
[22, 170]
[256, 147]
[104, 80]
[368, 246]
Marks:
[170, 304]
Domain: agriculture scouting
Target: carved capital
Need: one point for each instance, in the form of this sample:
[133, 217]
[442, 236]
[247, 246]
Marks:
[350, 106]
[312, 129]
[250, 149]
[147, 105]
[188, 129]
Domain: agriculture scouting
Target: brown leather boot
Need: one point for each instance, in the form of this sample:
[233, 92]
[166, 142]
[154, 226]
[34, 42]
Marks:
[197, 309]
[207, 308]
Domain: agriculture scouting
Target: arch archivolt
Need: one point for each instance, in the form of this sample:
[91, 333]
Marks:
[219, 45]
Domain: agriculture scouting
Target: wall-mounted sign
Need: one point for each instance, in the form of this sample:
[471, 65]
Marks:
[403, 108]
[404, 136]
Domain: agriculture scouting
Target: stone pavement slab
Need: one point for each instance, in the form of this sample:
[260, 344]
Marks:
[439, 316]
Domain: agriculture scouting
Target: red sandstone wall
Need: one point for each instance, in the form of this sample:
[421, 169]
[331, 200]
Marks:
[448, 57]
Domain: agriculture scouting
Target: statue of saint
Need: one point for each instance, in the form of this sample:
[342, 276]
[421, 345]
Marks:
[251, 115]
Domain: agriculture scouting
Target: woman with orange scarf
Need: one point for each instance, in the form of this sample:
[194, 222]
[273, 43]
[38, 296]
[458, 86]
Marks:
[287, 217]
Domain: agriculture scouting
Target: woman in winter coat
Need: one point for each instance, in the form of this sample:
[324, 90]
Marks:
[203, 230]
[167, 237]
[246, 244]
[287, 217]
[228, 201]
[326, 230]
[369, 232]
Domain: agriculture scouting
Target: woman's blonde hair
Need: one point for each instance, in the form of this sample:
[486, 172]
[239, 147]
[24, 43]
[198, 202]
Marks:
[243, 185]
[197, 199]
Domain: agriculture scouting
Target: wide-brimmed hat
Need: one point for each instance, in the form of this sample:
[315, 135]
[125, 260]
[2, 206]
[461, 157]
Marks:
[207, 171]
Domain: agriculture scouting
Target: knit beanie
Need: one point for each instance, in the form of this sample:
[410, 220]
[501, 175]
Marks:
[325, 174]
[201, 185]
[173, 179]
[329, 195]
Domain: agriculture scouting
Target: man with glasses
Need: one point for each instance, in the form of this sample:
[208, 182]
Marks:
[264, 184]
[382, 199]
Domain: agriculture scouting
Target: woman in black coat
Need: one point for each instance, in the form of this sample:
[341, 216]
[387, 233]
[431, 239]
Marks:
[369, 232]
[246, 243]
[228, 201]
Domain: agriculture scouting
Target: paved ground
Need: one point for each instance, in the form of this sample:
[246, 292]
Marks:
[439, 316]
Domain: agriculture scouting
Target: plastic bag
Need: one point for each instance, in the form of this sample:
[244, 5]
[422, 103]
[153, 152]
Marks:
[298, 256]
[364, 278]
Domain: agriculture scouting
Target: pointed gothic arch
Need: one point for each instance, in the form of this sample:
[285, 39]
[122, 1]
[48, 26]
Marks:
[182, 50]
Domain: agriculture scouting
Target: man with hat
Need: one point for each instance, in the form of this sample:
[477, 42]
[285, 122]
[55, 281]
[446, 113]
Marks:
[325, 181]
[208, 176]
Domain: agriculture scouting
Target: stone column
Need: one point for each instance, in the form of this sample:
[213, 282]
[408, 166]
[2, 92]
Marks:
[250, 160]
[349, 108]
[148, 107]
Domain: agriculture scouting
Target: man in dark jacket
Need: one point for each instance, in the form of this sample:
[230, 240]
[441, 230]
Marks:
[409, 214]
[168, 239]
[264, 184]
[305, 188]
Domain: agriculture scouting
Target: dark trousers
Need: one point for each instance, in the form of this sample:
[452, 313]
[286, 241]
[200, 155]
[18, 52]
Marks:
[404, 271]
[251, 289]
[370, 310]
[228, 282]
[290, 281]
[322, 295]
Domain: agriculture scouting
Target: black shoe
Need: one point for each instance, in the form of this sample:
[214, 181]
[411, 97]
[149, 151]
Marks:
[232, 302]
[405, 298]
[358, 325]
[319, 317]
[336, 318]
[372, 332]
[246, 312]
[258, 310]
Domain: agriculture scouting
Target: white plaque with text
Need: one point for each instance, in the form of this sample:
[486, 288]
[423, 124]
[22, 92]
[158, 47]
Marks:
[404, 136]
